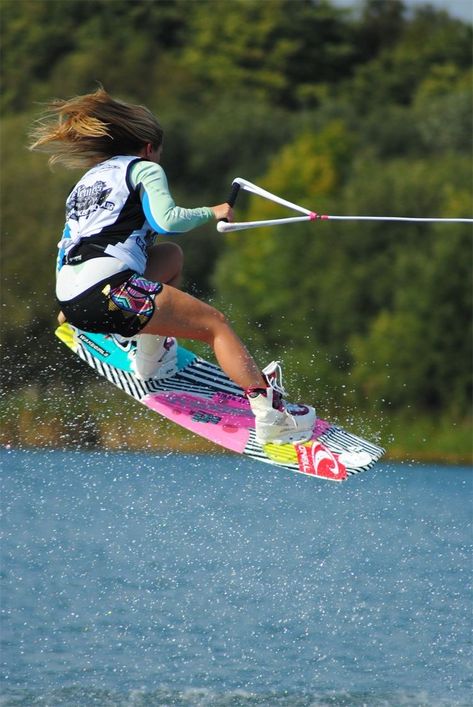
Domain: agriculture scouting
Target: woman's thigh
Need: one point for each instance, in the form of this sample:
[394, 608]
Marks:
[184, 316]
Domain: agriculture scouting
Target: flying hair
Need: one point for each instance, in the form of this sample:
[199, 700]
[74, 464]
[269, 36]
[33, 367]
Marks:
[85, 130]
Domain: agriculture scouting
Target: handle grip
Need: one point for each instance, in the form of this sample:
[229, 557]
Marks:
[232, 197]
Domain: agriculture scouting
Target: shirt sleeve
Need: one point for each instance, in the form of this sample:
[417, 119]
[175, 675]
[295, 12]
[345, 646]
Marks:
[159, 208]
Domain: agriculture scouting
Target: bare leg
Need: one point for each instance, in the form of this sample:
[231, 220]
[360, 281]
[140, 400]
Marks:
[165, 262]
[181, 315]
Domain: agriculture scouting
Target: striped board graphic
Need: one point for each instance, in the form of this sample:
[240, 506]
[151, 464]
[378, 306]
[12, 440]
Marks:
[199, 396]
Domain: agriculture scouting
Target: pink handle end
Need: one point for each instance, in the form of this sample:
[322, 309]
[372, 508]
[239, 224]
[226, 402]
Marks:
[313, 216]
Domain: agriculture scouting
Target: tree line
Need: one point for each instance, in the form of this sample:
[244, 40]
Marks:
[366, 112]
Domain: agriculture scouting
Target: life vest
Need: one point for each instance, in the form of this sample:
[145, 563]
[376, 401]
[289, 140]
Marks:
[104, 217]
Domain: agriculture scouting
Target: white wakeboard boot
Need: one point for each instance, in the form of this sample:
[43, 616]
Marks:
[276, 420]
[153, 356]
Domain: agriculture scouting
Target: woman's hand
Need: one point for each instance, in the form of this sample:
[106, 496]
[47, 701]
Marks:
[223, 211]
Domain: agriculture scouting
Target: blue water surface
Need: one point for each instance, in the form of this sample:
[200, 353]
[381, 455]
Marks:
[168, 579]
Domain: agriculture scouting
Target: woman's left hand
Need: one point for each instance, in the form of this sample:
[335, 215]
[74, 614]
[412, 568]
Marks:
[223, 211]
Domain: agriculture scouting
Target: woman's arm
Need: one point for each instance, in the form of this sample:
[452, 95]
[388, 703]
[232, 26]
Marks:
[159, 207]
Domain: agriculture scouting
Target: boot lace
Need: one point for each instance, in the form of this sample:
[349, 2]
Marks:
[273, 376]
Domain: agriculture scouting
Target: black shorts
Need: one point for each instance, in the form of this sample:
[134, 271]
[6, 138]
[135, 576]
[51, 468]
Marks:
[121, 304]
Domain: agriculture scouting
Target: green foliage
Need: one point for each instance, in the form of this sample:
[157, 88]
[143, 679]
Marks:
[366, 114]
[270, 49]
[288, 270]
[393, 75]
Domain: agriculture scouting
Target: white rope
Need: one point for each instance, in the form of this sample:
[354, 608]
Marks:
[395, 218]
[224, 227]
[248, 186]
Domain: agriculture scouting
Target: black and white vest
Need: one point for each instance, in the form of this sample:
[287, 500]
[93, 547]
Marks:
[104, 217]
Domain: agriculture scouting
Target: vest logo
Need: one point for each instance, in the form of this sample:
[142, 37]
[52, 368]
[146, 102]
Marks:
[316, 460]
[85, 200]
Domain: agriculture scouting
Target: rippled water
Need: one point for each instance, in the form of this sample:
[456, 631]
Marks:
[143, 579]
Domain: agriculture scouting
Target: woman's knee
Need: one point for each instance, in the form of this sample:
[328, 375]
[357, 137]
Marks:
[219, 318]
[169, 252]
[173, 250]
[165, 263]
[209, 322]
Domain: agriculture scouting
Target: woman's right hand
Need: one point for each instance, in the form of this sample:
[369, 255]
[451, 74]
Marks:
[223, 211]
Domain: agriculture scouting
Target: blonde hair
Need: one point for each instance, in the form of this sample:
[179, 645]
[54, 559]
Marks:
[85, 130]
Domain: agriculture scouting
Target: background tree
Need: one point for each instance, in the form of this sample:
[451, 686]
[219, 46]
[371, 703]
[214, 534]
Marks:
[345, 113]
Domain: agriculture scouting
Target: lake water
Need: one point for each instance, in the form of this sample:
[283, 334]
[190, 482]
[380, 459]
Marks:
[212, 580]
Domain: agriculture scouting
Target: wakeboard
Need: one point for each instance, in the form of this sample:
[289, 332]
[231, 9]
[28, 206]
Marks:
[198, 396]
